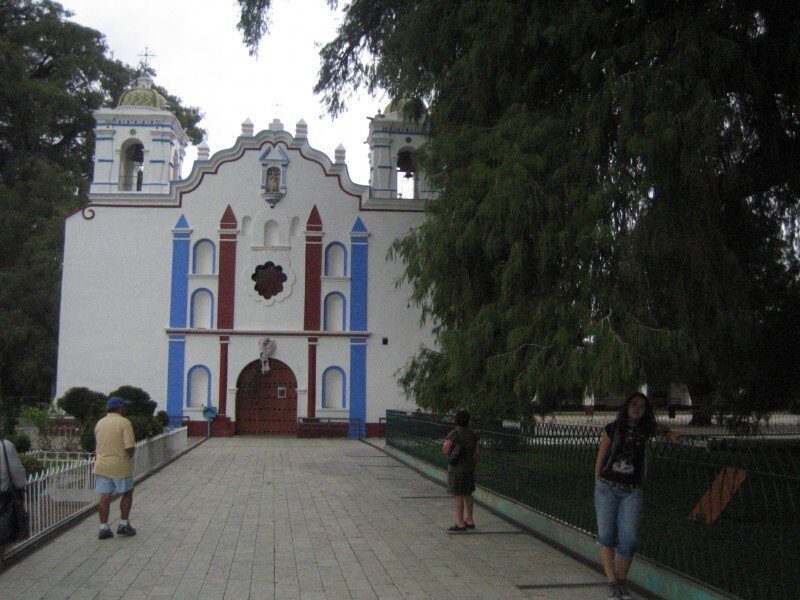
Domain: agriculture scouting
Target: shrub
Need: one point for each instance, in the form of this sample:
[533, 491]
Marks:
[84, 404]
[163, 418]
[21, 442]
[145, 427]
[32, 464]
[87, 440]
[140, 402]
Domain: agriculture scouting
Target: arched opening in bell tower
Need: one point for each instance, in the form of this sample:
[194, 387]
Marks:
[131, 173]
[406, 174]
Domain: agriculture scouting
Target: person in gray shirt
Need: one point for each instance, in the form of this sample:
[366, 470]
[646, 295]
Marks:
[17, 476]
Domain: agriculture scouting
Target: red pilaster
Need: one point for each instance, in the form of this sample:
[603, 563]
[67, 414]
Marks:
[228, 230]
[311, 320]
[311, 403]
[313, 271]
[223, 373]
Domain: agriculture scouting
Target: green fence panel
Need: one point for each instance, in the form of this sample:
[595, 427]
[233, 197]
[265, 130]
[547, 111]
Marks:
[744, 539]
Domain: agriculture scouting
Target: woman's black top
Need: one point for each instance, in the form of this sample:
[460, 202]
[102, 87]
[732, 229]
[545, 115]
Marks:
[625, 461]
[468, 440]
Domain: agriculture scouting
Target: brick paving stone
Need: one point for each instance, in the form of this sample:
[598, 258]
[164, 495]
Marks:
[286, 518]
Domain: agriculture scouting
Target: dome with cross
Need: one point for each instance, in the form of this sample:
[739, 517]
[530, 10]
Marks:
[143, 94]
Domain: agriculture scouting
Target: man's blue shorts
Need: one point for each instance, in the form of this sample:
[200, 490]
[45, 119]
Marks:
[107, 485]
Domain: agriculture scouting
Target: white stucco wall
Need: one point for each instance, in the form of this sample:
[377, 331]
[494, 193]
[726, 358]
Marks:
[115, 300]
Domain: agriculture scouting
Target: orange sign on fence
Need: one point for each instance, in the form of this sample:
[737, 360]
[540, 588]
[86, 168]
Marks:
[718, 496]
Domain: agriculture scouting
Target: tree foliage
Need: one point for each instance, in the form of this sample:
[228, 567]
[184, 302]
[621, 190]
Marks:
[55, 73]
[619, 185]
[619, 192]
[140, 402]
[82, 403]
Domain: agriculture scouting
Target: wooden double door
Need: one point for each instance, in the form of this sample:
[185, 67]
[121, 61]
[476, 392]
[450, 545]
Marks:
[266, 403]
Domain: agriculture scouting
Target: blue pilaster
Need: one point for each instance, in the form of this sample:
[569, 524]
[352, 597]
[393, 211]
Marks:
[175, 370]
[358, 276]
[358, 387]
[358, 323]
[179, 291]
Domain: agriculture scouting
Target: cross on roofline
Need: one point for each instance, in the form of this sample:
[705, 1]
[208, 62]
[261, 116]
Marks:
[276, 106]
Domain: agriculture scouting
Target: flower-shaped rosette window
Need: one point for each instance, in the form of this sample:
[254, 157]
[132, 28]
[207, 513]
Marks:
[269, 279]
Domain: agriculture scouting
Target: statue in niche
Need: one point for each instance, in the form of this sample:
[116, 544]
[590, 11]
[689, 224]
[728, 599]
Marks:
[272, 191]
[273, 180]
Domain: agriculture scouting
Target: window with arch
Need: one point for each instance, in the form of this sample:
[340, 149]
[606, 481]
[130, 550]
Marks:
[336, 260]
[271, 234]
[202, 311]
[204, 258]
[334, 315]
[333, 388]
[131, 169]
[407, 174]
[198, 387]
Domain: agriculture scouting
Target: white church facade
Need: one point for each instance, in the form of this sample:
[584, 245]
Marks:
[258, 285]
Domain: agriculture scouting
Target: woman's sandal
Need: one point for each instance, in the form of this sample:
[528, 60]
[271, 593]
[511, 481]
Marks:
[457, 528]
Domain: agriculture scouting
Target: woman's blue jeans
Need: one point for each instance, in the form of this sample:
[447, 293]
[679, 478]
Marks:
[617, 516]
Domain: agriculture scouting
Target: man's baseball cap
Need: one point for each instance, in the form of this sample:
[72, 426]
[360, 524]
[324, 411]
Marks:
[116, 402]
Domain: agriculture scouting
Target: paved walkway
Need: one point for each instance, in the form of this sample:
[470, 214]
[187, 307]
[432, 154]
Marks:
[289, 518]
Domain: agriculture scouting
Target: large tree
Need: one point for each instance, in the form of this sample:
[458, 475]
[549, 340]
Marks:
[54, 72]
[619, 192]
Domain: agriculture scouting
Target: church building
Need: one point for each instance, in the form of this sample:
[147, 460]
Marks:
[259, 285]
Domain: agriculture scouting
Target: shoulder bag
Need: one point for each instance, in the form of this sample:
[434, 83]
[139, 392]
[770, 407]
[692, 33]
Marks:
[456, 452]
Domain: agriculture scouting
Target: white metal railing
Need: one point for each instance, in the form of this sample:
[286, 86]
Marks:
[152, 452]
[62, 456]
[58, 493]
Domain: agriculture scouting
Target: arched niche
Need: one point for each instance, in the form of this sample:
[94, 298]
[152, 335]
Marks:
[334, 307]
[295, 227]
[204, 258]
[198, 387]
[272, 233]
[333, 388]
[336, 260]
[202, 309]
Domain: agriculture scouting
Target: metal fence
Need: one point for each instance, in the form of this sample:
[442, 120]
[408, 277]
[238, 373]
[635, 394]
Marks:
[721, 510]
[61, 492]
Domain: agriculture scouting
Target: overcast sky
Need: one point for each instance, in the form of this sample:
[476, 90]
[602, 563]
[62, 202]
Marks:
[199, 57]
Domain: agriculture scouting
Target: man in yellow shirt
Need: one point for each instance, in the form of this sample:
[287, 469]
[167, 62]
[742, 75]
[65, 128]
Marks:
[113, 469]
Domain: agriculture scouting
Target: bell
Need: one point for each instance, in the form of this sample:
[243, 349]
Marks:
[405, 164]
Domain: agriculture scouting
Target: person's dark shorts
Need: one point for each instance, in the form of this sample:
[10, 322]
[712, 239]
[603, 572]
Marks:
[461, 484]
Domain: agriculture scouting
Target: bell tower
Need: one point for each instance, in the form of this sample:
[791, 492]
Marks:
[139, 145]
[395, 138]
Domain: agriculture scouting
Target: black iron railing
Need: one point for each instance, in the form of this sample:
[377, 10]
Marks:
[723, 510]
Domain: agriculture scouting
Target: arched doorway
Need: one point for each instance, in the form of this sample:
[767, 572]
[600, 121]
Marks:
[266, 403]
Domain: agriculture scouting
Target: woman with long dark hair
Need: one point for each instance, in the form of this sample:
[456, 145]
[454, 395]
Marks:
[619, 472]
